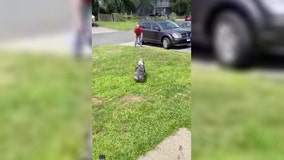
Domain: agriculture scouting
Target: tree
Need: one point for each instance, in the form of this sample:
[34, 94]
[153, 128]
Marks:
[129, 6]
[119, 6]
[140, 5]
[95, 7]
[181, 7]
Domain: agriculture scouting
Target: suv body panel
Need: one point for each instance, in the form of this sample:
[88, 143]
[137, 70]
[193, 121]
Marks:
[266, 28]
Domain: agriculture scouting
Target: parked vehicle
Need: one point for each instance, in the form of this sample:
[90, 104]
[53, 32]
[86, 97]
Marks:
[166, 33]
[239, 29]
[93, 18]
[187, 18]
[185, 25]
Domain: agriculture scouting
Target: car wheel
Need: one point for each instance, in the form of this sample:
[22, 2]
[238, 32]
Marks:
[166, 43]
[232, 40]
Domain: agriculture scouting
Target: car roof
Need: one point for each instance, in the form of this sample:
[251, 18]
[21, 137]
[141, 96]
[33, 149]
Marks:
[156, 21]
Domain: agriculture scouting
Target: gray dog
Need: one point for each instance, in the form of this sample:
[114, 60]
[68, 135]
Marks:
[140, 73]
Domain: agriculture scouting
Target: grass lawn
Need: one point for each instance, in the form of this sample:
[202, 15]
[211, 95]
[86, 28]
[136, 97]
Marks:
[131, 118]
[43, 109]
[237, 116]
[124, 26]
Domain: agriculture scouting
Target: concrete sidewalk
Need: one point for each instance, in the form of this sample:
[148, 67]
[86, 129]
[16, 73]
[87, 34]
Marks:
[176, 147]
[98, 30]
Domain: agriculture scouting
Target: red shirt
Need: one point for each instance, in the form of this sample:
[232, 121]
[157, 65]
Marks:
[138, 30]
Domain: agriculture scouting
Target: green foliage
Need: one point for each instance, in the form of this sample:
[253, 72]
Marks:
[95, 7]
[45, 108]
[119, 6]
[118, 17]
[237, 115]
[181, 7]
[173, 16]
[161, 18]
[124, 26]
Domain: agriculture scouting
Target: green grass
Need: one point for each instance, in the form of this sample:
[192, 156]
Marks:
[124, 128]
[237, 116]
[43, 109]
[124, 26]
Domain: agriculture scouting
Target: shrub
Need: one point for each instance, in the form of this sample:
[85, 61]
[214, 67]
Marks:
[134, 18]
[94, 24]
[173, 16]
[161, 18]
[118, 17]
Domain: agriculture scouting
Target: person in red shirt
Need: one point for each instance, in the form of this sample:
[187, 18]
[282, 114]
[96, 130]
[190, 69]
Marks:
[138, 35]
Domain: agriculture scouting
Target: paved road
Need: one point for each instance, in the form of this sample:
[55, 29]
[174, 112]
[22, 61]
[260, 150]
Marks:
[112, 38]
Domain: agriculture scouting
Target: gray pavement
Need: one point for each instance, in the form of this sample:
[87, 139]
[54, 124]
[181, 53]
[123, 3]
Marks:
[98, 30]
[112, 38]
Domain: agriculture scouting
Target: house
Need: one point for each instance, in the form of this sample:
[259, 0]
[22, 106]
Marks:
[154, 7]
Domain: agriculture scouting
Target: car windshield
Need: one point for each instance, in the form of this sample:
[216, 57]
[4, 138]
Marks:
[187, 25]
[167, 25]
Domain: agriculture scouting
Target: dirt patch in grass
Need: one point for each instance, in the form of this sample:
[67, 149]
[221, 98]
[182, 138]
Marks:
[96, 101]
[132, 99]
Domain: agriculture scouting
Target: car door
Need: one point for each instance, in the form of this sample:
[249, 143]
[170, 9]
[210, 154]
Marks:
[146, 29]
[155, 33]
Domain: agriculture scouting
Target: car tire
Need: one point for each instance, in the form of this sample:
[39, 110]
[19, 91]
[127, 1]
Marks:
[232, 40]
[144, 42]
[166, 43]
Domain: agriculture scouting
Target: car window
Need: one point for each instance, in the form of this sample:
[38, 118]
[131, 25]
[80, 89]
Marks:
[155, 26]
[168, 25]
[187, 25]
[146, 25]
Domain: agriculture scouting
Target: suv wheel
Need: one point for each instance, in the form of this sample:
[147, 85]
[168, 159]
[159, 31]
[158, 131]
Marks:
[166, 43]
[232, 40]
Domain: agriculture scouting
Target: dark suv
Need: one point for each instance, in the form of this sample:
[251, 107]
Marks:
[239, 29]
[166, 33]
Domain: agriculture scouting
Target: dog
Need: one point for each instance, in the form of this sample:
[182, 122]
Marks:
[140, 72]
